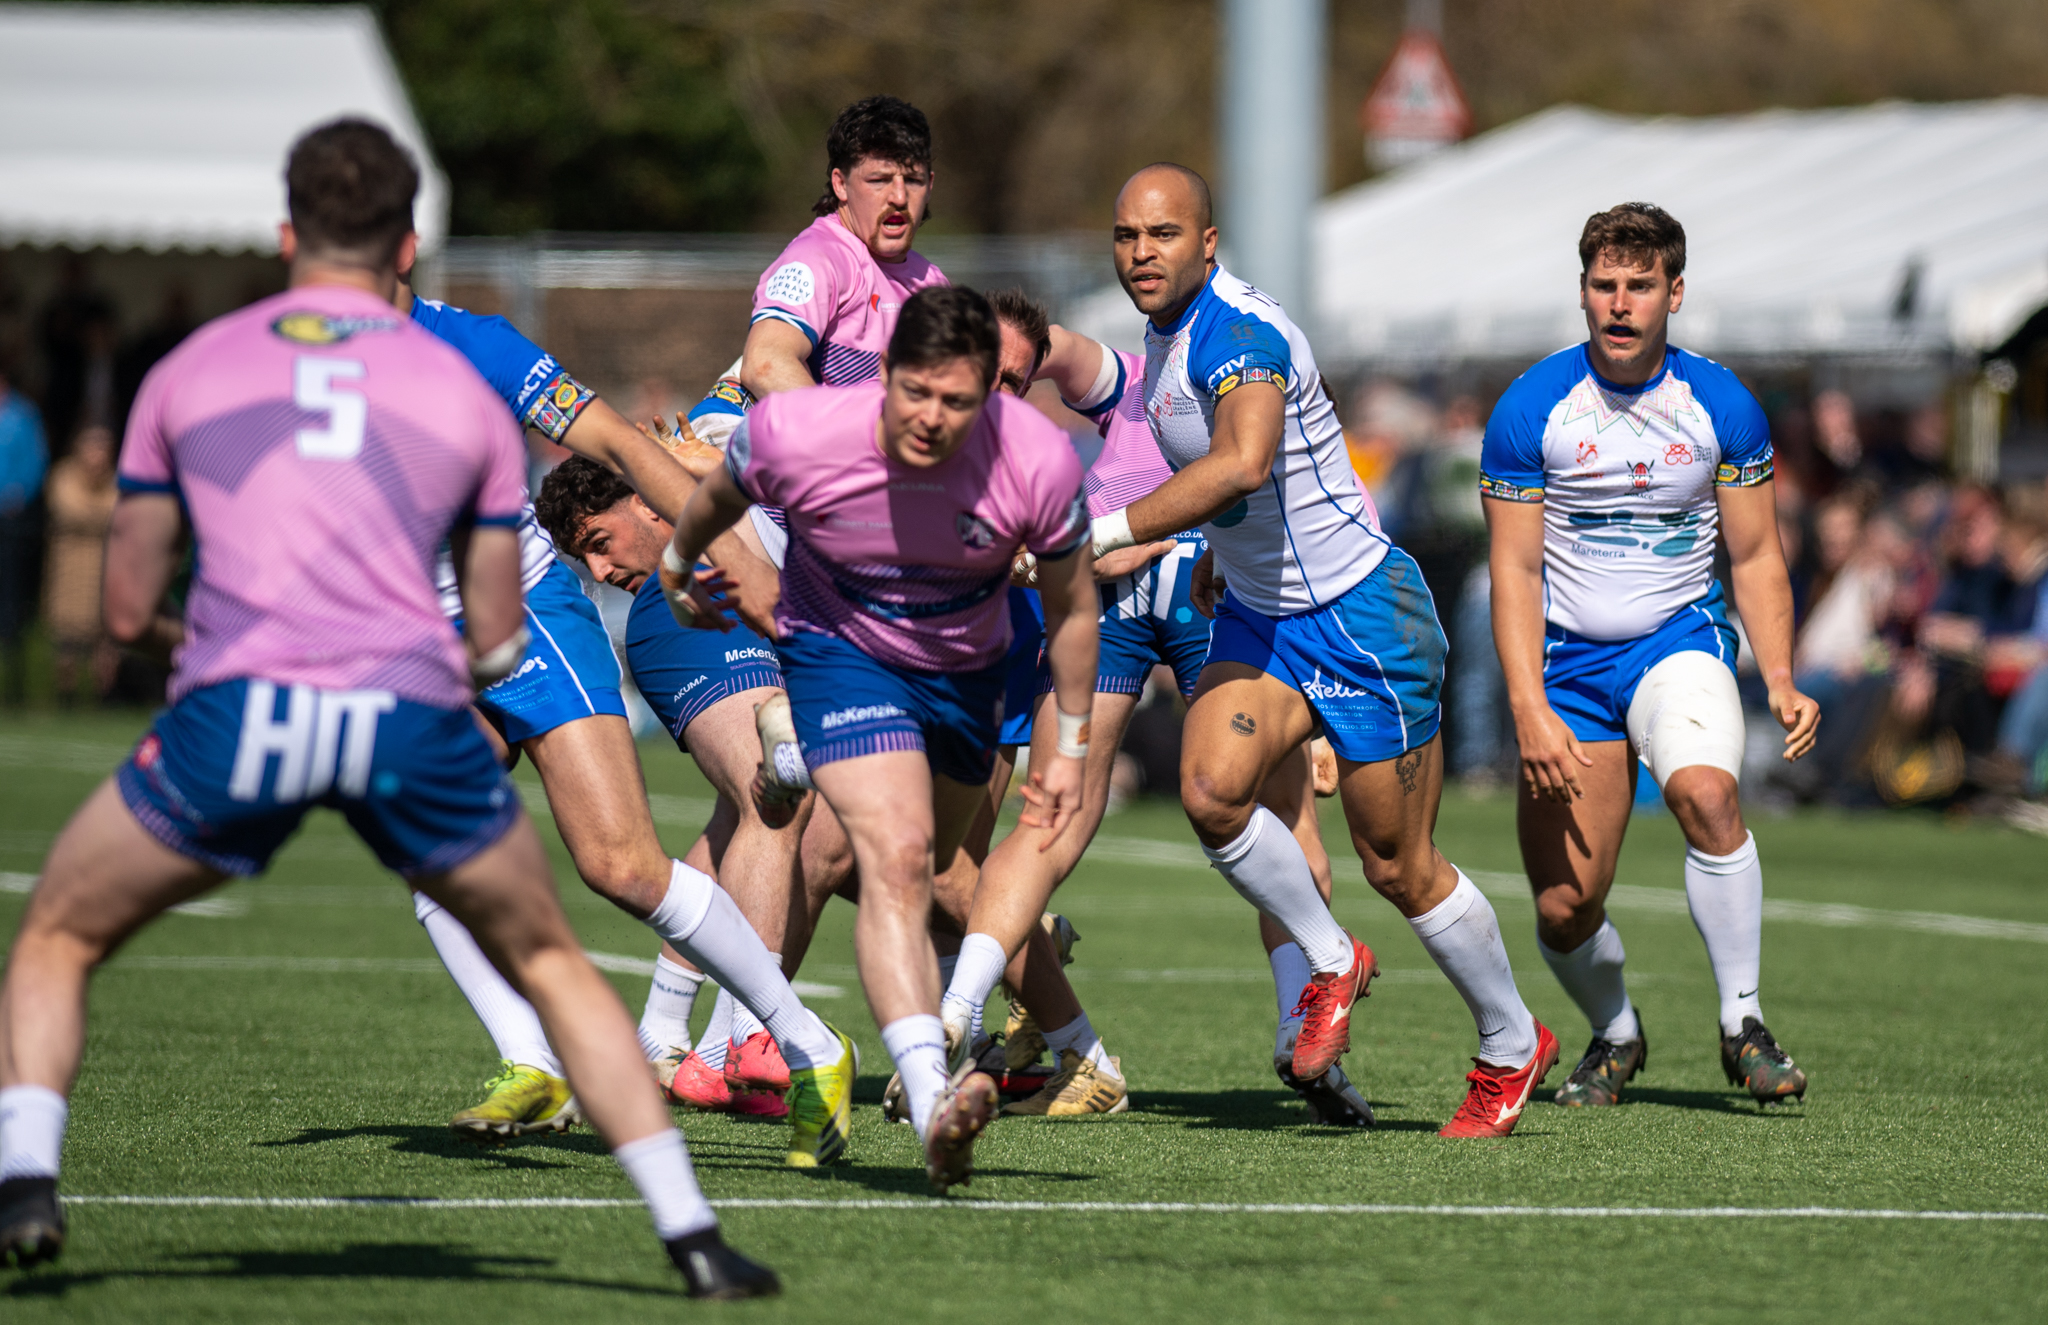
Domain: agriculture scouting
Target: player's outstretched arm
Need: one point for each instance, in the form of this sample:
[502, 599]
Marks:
[1072, 364]
[716, 506]
[777, 358]
[1763, 595]
[663, 478]
[1551, 757]
[142, 555]
[1242, 445]
[1067, 588]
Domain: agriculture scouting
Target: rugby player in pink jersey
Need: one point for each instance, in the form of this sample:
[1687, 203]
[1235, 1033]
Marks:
[907, 500]
[320, 447]
[823, 313]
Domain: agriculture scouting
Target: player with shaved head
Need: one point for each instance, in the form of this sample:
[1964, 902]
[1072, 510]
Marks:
[1319, 622]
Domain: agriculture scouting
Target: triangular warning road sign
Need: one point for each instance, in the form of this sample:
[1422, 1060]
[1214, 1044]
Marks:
[1417, 98]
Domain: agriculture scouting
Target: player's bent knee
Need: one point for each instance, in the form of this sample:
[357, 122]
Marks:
[1217, 812]
[1686, 713]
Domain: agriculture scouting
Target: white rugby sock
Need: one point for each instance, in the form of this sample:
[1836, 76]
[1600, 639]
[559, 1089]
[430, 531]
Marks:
[1462, 935]
[1290, 977]
[1591, 974]
[660, 1169]
[31, 1131]
[509, 1019]
[1726, 895]
[1266, 866]
[975, 974]
[1079, 1036]
[917, 1045]
[700, 920]
[671, 996]
[712, 1045]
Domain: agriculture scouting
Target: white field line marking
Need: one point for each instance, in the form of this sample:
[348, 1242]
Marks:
[604, 961]
[1081, 1207]
[214, 908]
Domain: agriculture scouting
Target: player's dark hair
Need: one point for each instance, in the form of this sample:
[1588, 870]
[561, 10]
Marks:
[573, 493]
[349, 187]
[1637, 233]
[1027, 317]
[943, 323]
[885, 128]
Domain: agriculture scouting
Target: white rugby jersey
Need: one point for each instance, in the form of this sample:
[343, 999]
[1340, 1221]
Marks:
[1307, 534]
[1626, 475]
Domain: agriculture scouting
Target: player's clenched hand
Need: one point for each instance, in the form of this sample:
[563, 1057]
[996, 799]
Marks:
[1799, 715]
[698, 600]
[1052, 794]
[1204, 583]
[1129, 560]
[1551, 757]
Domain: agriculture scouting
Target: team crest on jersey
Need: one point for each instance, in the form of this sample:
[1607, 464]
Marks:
[1639, 475]
[1668, 402]
[974, 531]
[324, 329]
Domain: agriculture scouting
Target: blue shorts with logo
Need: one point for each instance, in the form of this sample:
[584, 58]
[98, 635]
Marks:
[1370, 663]
[226, 774]
[682, 671]
[1590, 683]
[1147, 619]
[569, 670]
[847, 704]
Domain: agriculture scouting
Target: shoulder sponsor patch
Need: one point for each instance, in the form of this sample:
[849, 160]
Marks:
[1502, 490]
[557, 405]
[324, 329]
[1246, 376]
[792, 283]
[1743, 476]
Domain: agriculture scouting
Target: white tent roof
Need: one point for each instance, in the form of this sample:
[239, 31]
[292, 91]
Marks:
[1801, 226]
[163, 127]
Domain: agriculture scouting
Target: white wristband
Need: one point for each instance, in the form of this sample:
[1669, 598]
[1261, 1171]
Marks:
[496, 665]
[1073, 737]
[1111, 531]
[680, 604]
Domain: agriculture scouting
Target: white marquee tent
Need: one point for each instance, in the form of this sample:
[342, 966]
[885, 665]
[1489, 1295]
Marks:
[166, 127]
[1885, 230]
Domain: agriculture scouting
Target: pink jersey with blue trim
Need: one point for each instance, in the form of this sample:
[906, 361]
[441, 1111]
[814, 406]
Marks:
[907, 564]
[323, 446]
[827, 285]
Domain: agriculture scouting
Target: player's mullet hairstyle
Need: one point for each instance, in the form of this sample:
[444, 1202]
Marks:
[349, 188]
[1025, 316]
[943, 323]
[885, 128]
[1637, 233]
[573, 493]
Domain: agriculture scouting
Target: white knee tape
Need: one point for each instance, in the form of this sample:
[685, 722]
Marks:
[1686, 712]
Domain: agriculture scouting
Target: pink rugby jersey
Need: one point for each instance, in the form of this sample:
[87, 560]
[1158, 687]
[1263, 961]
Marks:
[323, 445]
[827, 285]
[907, 564]
[1130, 465]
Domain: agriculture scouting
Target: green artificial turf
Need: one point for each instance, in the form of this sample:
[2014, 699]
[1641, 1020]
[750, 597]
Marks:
[1928, 1054]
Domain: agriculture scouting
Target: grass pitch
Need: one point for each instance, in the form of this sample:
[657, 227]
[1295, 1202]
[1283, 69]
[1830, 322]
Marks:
[294, 1038]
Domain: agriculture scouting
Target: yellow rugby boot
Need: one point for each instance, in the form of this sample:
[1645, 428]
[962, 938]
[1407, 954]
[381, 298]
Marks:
[821, 1107]
[1079, 1089]
[520, 1101]
[1023, 1042]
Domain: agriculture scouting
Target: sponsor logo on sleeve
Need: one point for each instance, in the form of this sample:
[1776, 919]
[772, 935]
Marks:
[1743, 476]
[1504, 490]
[323, 329]
[791, 283]
[557, 406]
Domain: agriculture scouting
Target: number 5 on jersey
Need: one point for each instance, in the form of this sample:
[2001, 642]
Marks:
[316, 385]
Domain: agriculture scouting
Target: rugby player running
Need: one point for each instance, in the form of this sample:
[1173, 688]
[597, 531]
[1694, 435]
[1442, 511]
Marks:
[1607, 471]
[907, 500]
[1324, 622]
[321, 449]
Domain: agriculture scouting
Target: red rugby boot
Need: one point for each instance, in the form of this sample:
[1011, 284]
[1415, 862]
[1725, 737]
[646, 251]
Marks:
[1497, 1096]
[698, 1085]
[756, 1065]
[1325, 1012]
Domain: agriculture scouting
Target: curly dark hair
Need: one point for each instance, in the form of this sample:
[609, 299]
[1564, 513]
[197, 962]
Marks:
[886, 128]
[1637, 233]
[572, 493]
